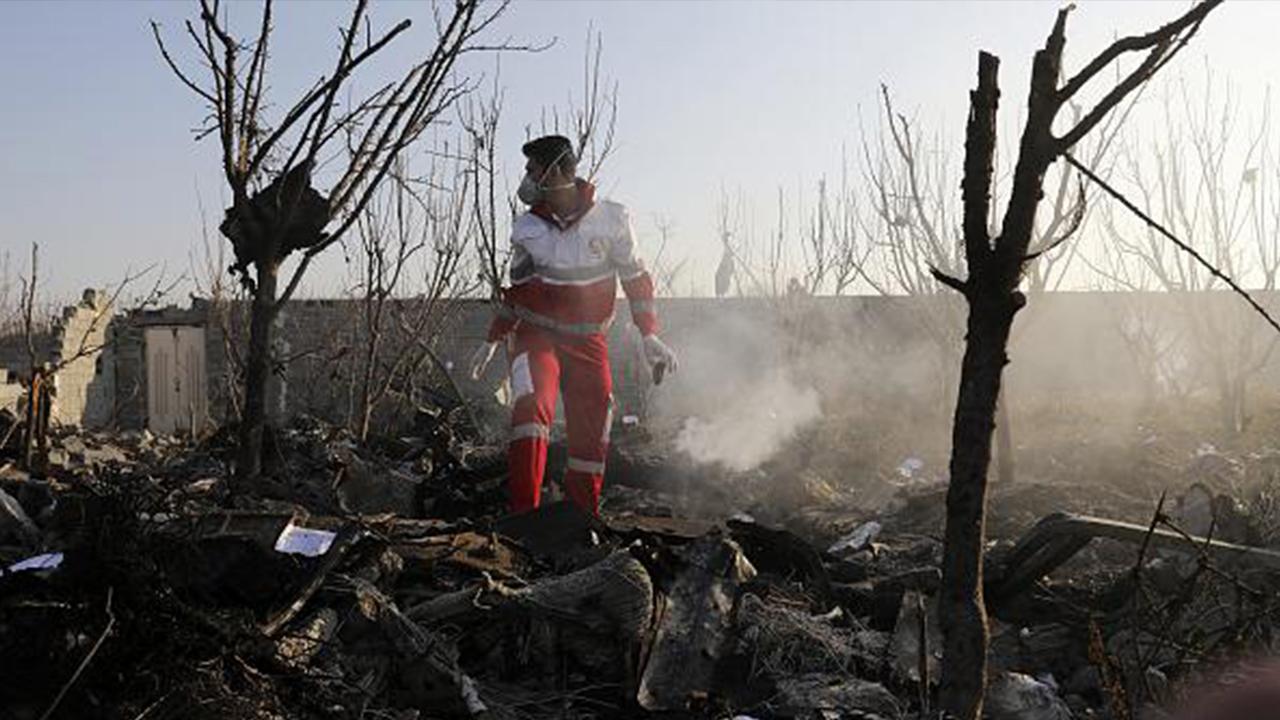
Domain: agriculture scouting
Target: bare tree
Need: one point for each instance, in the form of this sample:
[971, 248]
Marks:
[490, 206]
[666, 271]
[846, 244]
[1153, 344]
[591, 120]
[226, 305]
[1213, 182]
[995, 268]
[414, 240]
[913, 212]
[910, 216]
[270, 165]
[754, 270]
[9, 295]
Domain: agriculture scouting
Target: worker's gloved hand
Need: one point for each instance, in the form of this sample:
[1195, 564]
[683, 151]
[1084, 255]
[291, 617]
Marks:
[659, 356]
[481, 358]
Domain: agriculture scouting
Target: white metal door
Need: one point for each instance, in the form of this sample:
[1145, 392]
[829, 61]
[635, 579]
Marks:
[177, 396]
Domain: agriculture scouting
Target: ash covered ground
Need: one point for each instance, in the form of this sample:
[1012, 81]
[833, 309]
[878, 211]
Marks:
[384, 580]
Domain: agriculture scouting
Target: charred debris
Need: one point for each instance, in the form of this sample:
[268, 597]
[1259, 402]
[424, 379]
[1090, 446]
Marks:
[383, 580]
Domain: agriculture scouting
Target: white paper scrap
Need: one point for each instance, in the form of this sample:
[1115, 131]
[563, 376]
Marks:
[296, 540]
[48, 561]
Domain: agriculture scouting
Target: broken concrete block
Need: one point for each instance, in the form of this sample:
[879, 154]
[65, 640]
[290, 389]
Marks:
[74, 447]
[694, 633]
[105, 455]
[1015, 696]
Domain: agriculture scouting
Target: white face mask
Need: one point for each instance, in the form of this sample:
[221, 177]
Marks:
[532, 191]
[528, 192]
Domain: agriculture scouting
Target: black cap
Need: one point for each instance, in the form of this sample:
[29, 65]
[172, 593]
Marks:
[550, 149]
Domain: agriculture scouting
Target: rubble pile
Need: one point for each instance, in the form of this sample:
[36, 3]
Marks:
[383, 580]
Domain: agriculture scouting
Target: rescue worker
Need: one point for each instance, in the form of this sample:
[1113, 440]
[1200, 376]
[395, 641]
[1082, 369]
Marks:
[568, 254]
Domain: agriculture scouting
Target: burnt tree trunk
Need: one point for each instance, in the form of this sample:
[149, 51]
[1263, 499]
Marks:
[995, 270]
[991, 291]
[257, 372]
[961, 612]
[285, 216]
[1004, 440]
[34, 432]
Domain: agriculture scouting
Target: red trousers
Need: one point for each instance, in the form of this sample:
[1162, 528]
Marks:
[542, 363]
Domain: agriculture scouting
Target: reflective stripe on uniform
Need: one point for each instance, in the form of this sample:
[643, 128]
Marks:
[587, 274]
[569, 328]
[586, 466]
[530, 430]
[577, 283]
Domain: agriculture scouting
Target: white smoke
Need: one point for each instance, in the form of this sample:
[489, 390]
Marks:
[748, 427]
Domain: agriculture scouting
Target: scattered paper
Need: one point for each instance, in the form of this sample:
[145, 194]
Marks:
[308, 542]
[48, 561]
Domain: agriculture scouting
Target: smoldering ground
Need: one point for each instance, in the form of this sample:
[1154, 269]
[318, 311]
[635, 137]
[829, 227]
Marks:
[844, 390]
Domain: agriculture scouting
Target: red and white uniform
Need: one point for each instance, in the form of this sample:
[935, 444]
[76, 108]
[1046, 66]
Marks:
[564, 278]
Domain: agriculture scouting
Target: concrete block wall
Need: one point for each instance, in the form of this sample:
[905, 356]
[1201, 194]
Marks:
[85, 384]
[10, 395]
[78, 343]
[1064, 345]
[327, 341]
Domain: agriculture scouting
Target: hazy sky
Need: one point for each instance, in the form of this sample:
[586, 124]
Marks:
[98, 162]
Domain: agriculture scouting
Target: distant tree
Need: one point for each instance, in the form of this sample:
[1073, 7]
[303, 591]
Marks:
[271, 165]
[911, 216]
[414, 241]
[996, 266]
[45, 360]
[835, 246]
[590, 120]
[1214, 182]
[665, 270]
[914, 215]
[9, 316]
